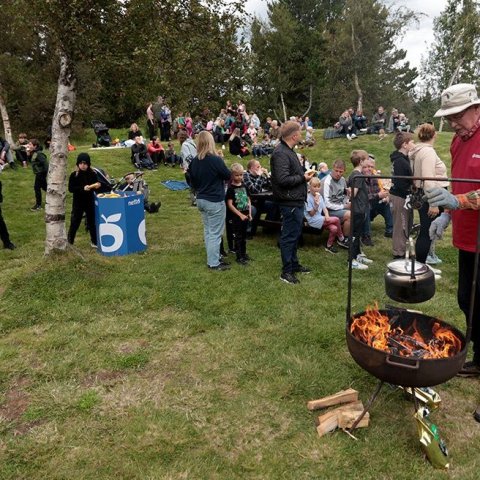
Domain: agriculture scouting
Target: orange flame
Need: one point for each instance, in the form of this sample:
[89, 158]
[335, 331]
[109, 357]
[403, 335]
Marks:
[374, 329]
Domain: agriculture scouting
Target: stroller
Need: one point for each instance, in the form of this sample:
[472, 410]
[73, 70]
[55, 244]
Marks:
[134, 182]
[107, 183]
[101, 131]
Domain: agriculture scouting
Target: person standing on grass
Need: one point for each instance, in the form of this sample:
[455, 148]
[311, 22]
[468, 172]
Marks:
[461, 108]
[208, 174]
[239, 211]
[4, 236]
[401, 188]
[82, 183]
[40, 169]
[289, 185]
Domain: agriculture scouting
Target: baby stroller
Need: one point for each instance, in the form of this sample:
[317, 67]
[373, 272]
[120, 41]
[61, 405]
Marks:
[107, 183]
[134, 182]
[101, 131]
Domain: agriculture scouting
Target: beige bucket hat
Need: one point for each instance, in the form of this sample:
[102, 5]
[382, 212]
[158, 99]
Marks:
[457, 98]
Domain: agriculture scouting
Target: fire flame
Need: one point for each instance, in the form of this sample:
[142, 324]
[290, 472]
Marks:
[375, 329]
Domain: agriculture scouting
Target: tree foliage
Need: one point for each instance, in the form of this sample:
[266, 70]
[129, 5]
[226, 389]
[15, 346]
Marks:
[454, 56]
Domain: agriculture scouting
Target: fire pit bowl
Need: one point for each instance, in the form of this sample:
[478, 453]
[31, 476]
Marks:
[402, 370]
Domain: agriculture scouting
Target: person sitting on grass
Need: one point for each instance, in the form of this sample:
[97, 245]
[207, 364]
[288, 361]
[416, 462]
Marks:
[156, 151]
[309, 138]
[345, 126]
[140, 157]
[336, 197]
[323, 170]
[239, 212]
[379, 122]
[236, 145]
[5, 155]
[171, 157]
[20, 149]
[317, 216]
[82, 183]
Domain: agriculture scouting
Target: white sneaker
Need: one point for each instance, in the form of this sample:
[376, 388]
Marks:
[438, 277]
[353, 136]
[358, 266]
[348, 136]
[436, 271]
[362, 258]
[433, 260]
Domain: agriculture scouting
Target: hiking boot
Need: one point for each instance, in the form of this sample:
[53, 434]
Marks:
[388, 234]
[469, 369]
[10, 246]
[302, 269]
[289, 278]
[331, 249]
[343, 243]
[35, 208]
[242, 261]
[367, 241]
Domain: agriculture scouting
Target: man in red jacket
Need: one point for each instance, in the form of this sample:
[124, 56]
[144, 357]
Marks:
[461, 107]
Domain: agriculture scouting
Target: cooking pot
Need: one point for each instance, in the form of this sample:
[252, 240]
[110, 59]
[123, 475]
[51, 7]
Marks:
[409, 281]
[407, 371]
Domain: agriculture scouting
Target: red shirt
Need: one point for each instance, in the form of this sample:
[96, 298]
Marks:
[465, 164]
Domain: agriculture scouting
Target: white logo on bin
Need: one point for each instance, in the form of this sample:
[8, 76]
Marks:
[141, 232]
[109, 229]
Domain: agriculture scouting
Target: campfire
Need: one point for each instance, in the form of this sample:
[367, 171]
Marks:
[378, 331]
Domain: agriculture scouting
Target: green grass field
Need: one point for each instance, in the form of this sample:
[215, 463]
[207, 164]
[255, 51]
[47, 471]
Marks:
[150, 366]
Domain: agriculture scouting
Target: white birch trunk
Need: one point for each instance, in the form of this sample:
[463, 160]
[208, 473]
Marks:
[283, 107]
[5, 118]
[56, 236]
[309, 101]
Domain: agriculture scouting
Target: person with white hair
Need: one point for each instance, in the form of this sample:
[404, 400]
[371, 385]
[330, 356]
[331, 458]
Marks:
[461, 108]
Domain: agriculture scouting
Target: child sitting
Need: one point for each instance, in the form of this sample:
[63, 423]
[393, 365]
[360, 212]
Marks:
[170, 156]
[323, 170]
[317, 215]
[240, 212]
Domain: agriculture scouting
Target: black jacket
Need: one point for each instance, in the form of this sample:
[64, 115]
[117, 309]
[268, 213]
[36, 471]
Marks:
[288, 180]
[400, 166]
[76, 185]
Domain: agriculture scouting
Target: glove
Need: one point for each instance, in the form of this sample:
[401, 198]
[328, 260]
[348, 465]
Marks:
[439, 197]
[438, 226]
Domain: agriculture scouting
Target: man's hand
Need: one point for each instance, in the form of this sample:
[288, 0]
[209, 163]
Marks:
[439, 197]
[438, 226]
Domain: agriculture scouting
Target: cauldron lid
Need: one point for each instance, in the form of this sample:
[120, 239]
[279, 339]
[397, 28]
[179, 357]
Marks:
[404, 267]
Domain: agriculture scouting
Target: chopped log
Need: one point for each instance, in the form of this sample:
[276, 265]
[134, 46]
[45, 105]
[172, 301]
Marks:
[328, 422]
[347, 419]
[344, 396]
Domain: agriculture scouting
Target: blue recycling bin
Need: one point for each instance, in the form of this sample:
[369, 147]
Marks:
[120, 224]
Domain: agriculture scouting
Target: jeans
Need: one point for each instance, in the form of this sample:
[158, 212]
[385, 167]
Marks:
[213, 216]
[379, 208]
[292, 222]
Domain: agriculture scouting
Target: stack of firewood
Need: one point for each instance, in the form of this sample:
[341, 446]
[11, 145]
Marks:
[341, 417]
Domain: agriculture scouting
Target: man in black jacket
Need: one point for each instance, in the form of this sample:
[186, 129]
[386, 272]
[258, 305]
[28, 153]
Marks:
[289, 185]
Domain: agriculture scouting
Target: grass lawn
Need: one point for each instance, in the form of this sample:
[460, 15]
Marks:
[150, 366]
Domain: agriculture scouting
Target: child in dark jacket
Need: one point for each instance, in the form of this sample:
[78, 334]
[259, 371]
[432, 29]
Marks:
[239, 211]
[40, 170]
[82, 182]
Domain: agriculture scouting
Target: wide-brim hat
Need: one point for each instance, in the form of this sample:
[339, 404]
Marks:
[457, 98]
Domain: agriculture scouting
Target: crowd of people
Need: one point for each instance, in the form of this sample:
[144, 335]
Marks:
[352, 123]
[296, 194]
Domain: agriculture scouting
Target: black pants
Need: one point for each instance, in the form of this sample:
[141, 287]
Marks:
[39, 185]
[292, 222]
[466, 263]
[78, 209]
[357, 230]
[158, 157]
[240, 236]
[422, 246]
[165, 132]
[152, 129]
[4, 236]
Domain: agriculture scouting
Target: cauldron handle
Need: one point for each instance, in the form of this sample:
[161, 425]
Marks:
[403, 365]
